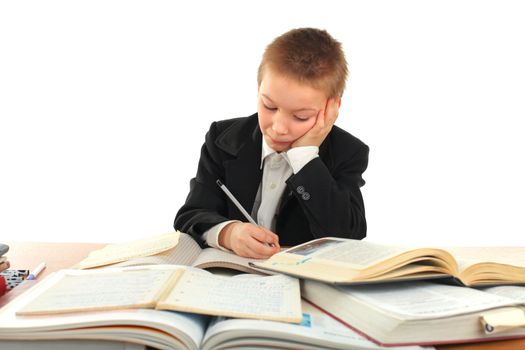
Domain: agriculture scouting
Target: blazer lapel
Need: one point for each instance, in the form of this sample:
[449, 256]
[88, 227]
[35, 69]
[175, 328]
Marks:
[243, 174]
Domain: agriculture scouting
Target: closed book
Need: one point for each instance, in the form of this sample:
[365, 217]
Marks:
[423, 313]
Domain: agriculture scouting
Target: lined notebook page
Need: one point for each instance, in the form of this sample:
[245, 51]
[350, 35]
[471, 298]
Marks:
[245, 296]
[102, 290]
[185, 253]
[114, 253]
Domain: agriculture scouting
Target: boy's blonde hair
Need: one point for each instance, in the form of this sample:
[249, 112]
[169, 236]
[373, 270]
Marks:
[310, 56]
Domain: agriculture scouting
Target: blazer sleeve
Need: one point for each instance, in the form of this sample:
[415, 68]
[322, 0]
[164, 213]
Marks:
[329, 192]
[205, 206]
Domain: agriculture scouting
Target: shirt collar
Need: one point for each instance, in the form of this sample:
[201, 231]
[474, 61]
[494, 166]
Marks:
[266, 151]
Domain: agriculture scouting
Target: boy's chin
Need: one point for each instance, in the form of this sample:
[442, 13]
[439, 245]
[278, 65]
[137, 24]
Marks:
[282, 148]
[278, 146]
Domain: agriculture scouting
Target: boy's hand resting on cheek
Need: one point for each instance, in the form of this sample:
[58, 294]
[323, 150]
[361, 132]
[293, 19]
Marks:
[249, 240]
[325, 120]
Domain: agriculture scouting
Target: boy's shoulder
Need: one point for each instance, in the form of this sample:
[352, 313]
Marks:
[341, 147]
[232, 134]
[340, 137]
[236, 124]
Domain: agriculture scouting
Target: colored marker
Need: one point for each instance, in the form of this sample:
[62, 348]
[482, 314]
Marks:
[33, 275]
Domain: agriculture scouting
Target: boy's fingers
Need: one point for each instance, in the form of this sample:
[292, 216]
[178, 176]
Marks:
[328, 115]
[259, 234]
[259, 250]
[332, 110]
[320, 118]
[267, 237]
[271, 237]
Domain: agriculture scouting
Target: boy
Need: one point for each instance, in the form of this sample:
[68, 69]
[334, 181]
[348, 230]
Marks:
[288, 165]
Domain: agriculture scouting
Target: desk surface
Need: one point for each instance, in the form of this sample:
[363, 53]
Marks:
[27, 255]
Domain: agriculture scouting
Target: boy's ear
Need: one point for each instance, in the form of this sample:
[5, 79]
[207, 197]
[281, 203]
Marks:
[338, 99]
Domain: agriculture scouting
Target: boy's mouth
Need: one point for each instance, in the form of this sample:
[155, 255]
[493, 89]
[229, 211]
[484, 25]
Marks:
[278, 142]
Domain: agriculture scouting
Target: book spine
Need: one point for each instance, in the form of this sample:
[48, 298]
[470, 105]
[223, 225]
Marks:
[3, 285]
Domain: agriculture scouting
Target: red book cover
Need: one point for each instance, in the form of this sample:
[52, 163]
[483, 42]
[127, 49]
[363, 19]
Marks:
[3, 285]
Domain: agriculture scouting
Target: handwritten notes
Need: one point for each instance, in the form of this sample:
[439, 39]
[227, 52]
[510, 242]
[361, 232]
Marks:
[101, 290]
[269, 297]
[169, 287]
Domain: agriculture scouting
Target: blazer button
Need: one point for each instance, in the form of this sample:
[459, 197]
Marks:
[300, 189]
[305, 196]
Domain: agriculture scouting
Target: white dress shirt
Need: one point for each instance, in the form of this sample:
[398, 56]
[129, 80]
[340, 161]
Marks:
[277, 168]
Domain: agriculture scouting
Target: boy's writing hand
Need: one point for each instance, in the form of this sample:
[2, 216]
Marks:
[248, 240]
[325, 120]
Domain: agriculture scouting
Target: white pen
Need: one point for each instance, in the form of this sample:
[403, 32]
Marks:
[236, 202]
[238, 205]
[33, 275]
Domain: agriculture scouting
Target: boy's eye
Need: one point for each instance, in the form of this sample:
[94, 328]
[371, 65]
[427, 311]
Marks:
[301, 118]
[270, 108]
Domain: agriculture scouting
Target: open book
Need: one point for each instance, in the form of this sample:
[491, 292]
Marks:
[347, 261]
[169, 287]
[421, 312]
[188, 252]
[171, 330]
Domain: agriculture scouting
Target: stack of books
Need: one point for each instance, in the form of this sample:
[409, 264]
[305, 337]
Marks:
[167, 301]
[329, 293]
[404, 296]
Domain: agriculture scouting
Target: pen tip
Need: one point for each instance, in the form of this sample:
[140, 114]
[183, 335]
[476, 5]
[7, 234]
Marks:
[219, 182]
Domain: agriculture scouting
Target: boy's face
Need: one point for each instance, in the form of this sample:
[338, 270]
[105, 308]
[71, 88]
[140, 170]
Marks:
[287, 109]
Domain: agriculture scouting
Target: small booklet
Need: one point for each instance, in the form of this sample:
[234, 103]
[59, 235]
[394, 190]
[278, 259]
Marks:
[169, 287]
[347, 261]
[421, 312]
[114, 253]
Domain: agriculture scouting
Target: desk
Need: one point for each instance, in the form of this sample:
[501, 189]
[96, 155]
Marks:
[64, 255]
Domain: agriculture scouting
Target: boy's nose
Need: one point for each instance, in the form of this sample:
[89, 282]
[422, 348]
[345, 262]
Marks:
[279, 124]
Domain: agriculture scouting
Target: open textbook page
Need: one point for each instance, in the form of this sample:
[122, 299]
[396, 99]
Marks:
[155, 328]
[170, 330]
[513, 292]
[316, 331]
[114, 253]
[170, 287]
[188, 252]
[490, 265]
[413, 312]
[347, 261]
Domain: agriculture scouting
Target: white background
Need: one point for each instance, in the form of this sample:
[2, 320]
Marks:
[104, 106]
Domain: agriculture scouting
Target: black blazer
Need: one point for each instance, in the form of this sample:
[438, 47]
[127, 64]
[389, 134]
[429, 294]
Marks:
[323, 199]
